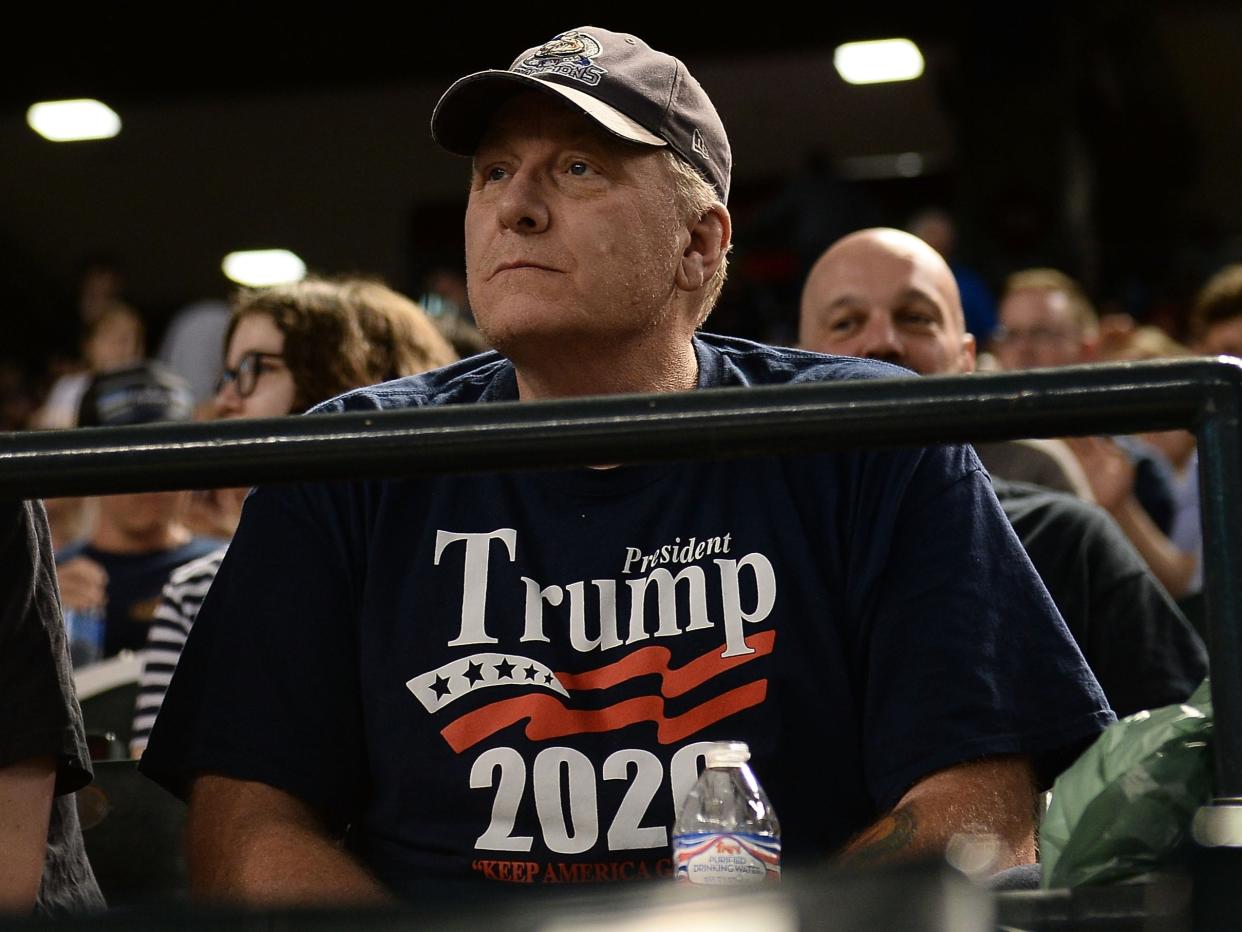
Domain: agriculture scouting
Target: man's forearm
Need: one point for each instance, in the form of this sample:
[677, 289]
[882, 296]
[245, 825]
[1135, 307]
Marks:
[895, 837]
[992, 797]
[249, 843]
[26, 789]
[1171, 566]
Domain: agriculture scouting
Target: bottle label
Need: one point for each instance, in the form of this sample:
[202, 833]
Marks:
[726, 858]
[85, 633]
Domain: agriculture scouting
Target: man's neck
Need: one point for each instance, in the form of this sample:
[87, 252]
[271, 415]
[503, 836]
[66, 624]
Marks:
[608, 372]
[110, 538]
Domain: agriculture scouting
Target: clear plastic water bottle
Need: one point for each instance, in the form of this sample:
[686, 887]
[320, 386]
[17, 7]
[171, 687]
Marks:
[726, 831]
[85, 631]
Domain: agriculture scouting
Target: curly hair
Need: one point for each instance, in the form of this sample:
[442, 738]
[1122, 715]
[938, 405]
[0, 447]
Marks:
[344, 333]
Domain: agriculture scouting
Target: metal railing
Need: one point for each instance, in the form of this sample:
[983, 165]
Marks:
[1203, 395]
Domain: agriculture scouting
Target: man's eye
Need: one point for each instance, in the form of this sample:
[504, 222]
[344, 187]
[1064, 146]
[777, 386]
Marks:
[495, 173]
[841, 325]
[579, 168]
[916, 319]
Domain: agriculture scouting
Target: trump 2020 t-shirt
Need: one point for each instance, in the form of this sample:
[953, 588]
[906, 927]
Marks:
[513, 677]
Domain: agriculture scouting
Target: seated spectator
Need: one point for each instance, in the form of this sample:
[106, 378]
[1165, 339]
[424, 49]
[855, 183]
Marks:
[1217, 317]
[1216, 328]
[43, 754]
[381, 661]
[1177, 559]
[115, 339]
[1046, 320]
[1136, 641]
[138, 538]
[909, 336]
[286, 348]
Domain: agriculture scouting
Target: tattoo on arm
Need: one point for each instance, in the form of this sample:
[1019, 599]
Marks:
[885, 839]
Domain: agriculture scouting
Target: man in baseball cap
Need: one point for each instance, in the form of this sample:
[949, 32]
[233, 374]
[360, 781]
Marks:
[514, 677]
[138, 538]
[140, 394]
[628, 88]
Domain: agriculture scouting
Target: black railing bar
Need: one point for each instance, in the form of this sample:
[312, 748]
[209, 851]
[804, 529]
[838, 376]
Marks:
[1220, 497]
[727, 422]
[1204, 394]
[1053, 389]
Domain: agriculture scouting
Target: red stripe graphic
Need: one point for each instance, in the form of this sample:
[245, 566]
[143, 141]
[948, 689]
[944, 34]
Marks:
[547, 716]
[677, 682]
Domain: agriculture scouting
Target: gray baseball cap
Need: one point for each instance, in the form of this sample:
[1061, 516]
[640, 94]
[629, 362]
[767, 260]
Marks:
[624, 85]
[139, 394]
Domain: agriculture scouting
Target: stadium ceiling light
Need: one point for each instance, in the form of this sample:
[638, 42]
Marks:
[73, 120]
[878, 61]
[259, 268]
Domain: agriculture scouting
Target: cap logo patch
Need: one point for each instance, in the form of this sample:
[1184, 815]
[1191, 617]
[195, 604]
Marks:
[569, 55]
[699, 145]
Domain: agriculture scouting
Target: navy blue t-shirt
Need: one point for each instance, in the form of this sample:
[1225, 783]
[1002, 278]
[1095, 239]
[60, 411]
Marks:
[513, 676]
[135, 581]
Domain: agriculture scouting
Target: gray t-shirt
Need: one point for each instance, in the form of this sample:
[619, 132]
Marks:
[41, 714]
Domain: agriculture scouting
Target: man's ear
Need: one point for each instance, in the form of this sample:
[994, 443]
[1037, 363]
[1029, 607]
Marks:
[969, 352]
[708, 244]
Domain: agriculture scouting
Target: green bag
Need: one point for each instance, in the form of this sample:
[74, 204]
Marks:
[1125, 806]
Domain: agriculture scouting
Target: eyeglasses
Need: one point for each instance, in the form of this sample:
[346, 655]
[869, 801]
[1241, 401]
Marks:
[1043, 335]
[246, 376]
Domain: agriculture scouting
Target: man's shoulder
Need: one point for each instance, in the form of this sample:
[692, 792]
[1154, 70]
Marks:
[1062, 519]
[726, 361]
[486, 377]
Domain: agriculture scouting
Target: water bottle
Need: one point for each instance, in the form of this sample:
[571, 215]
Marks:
[726, 831]
[85, 630]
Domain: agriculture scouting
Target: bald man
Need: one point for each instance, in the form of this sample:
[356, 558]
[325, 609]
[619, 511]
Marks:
[884, 294]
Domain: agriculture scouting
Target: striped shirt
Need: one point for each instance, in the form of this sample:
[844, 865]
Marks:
[179, 604]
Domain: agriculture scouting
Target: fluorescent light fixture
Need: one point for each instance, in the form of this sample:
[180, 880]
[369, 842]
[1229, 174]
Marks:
[258, 268]
[73, 120]
[909, 164]
[878, 61]
[889, 165]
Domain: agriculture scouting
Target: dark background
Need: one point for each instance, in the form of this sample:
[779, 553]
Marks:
[1101, 137]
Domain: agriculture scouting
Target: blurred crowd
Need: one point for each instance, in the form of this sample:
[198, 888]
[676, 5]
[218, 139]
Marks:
[1030, 318]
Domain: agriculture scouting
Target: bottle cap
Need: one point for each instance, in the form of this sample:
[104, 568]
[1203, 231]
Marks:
[727, 754]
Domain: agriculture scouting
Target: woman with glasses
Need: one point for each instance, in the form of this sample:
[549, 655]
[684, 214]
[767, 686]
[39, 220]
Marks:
[287, 348]
[290, 347]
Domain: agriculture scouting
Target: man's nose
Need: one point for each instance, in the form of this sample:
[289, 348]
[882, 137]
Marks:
[881, 341]
[227, 402]
[1015, 355]
[523, 203]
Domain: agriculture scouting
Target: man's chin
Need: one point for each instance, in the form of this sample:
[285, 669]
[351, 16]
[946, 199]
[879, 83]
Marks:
[526, 331]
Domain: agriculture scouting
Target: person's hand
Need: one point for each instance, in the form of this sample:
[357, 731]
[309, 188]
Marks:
[83, 584]
[1109, 471]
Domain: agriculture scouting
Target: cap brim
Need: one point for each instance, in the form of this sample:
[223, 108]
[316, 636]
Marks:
[463, 113]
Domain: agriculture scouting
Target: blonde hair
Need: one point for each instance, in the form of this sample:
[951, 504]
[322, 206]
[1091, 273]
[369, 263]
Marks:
[1146, 342]
[693, 196]
[1054, 280]
[1220, 300]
